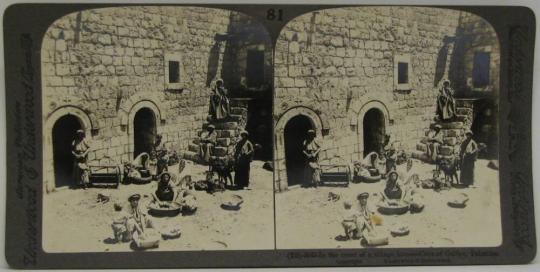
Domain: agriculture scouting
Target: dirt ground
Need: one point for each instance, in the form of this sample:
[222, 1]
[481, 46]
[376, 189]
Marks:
[75, 222]
[305, 218]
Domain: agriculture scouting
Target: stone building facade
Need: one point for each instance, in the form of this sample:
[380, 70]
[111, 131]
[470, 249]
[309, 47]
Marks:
[126, 74]
[354, 74]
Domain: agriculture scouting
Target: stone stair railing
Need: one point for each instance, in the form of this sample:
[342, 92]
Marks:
[227, 131]
[453, 133]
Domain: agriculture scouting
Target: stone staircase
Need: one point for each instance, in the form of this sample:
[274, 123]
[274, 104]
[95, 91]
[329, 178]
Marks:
[227, 131]
[453, 133]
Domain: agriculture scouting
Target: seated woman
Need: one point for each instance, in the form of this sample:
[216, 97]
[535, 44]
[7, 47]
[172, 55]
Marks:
[165, 189]
[397, 194]
[141, 163]
[392, 192]
[368, 169]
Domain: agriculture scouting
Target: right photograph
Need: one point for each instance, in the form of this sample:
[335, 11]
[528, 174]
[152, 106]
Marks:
[386, 129]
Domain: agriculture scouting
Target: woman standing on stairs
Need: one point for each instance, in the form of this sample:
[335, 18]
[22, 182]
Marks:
[446, 105]
[219, 102]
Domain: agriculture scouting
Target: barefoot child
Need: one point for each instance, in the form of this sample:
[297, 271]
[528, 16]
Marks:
[119, 223]
[349, 221]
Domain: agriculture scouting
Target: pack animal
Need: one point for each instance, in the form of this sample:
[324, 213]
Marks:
[223, 167]
[449, 166]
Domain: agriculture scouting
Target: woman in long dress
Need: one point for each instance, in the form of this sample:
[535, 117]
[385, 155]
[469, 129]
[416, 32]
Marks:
[446, 105]
[80, 149]
[219, 102]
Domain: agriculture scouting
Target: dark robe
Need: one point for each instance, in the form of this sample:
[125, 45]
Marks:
[80, 167]
[243, 156]
[468, 155]
[165, 192]
[312, 168]
[446, 105]
[394, 193]
[219, 104]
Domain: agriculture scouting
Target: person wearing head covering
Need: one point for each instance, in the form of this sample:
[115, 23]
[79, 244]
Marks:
[363, 217]
[446, 105]
[219, 102]
[434, 141]
[165, 189]
[80, 149]
[392, 190]
[311, 148]
[207, 142]
[468, 153]
[162, 155]
[137, 221]
[243, 155]
[370, 165]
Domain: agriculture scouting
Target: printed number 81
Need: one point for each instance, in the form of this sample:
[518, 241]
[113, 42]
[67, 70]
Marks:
[272, 16]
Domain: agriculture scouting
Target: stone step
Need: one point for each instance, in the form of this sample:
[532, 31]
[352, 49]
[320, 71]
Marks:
[452, 132]
[463, 111]
[236, 117]
[419, 155]
[193, 147]
[222, 125]
[224, 141]
[446, 140]
[448, 125]
[226, 133]
[219, 151]
[444, 149]
[238, 110]
[190, 155]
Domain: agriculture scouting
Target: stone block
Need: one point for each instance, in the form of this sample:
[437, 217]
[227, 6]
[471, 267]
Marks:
[193, 147]
[219, 151]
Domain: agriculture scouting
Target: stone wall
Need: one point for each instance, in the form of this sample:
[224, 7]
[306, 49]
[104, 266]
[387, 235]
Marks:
[475, 35]
[339, 63]
[105, 64]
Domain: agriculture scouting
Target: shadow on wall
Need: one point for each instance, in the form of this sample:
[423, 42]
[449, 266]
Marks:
[442, 57]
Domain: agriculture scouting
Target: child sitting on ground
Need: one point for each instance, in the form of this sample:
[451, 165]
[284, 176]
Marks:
[119, 223]
[349, 221]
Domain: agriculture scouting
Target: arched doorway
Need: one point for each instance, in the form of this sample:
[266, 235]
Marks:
[374, 130]
[295, 133]
[63, 134]
[144, 131]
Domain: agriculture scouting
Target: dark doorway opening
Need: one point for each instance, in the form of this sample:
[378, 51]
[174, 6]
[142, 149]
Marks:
[63, 134]
[255, 68]
[259, 126]
[144, 131]
[480, 72]
[485, 127]
[294, 134]
[374, 131]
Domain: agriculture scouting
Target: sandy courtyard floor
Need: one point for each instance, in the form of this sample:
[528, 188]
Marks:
[74, 221]
[305, 218]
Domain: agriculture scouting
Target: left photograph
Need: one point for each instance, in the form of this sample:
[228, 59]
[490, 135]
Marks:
[157, 131]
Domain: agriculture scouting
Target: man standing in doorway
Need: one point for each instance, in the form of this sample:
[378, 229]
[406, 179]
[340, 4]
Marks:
[311, 149]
